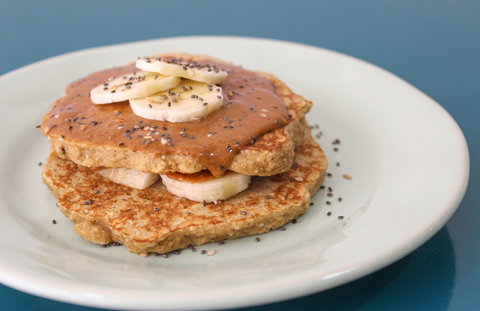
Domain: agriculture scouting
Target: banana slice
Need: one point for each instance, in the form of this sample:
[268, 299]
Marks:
[187, 70]
[130, 178]
[215, 189]
[135, 85]
[189, 101]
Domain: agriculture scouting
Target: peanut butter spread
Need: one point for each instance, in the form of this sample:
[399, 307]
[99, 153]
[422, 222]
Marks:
[251, 109]
[191, 178]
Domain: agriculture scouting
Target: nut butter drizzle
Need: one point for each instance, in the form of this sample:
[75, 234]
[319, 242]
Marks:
[250, 109]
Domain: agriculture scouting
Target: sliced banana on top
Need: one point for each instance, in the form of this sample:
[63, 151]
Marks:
[187, 70]
[134, 85]
[215, 189]
[189, 101]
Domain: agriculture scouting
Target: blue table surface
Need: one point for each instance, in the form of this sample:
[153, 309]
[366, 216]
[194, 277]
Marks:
[434, 45]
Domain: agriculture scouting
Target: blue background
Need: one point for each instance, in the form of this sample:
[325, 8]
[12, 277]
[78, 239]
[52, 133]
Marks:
[434, 45]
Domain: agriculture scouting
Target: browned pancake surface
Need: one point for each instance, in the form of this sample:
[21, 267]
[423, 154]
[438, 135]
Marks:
[153, 220]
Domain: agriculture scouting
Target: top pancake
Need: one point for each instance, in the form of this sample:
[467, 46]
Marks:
[256, 131]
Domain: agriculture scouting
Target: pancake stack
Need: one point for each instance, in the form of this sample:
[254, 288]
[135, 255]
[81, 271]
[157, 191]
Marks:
[235, 155]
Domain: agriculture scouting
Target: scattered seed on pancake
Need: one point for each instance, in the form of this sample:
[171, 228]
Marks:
[54, 221]
[203, 251]
[257, 239]
[346, 176]
[143, 255]
[340, 217]
[340, 199]
[329, 213]
[39, 163]
[328, 202]
[283, 228]
[221, 243]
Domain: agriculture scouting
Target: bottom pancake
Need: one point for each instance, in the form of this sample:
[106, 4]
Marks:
[154, 220]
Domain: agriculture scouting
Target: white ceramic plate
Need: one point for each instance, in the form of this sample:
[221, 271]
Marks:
[407, 156]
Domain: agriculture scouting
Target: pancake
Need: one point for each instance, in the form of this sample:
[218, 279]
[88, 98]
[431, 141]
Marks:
[154, 220]
[252, 139]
